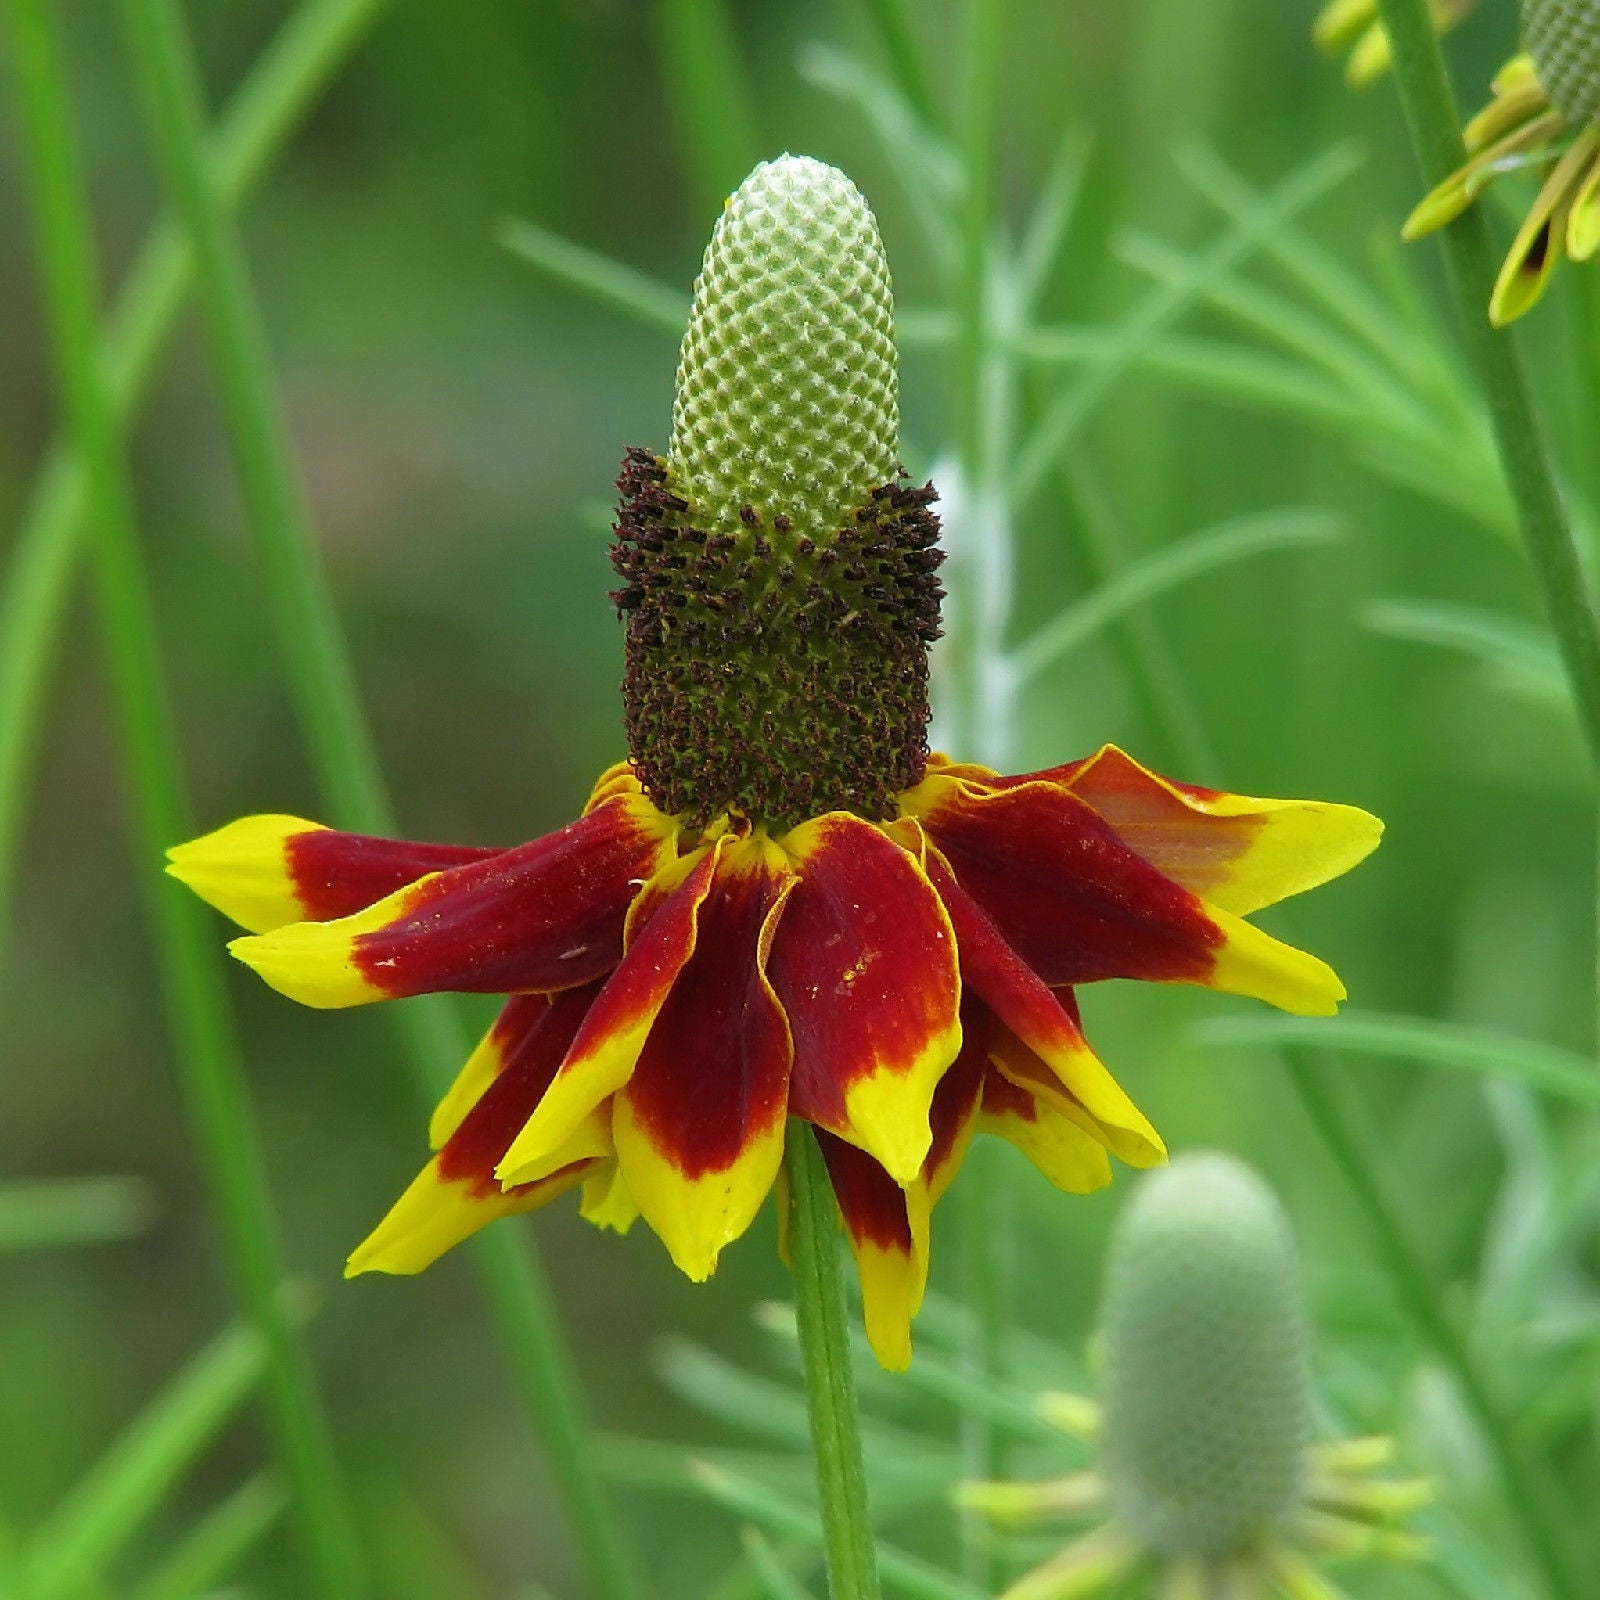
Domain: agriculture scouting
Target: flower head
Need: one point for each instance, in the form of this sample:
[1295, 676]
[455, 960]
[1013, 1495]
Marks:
[1545, 115]
[1355, 26]
[1208, 1474]
[782, 905]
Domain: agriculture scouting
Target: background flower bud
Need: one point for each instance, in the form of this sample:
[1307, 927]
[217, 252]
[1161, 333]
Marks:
[1207, 1390]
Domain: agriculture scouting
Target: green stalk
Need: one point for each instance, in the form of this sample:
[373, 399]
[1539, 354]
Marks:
[830, 1380]
[305, 53]
[1435, 125]
[1424, 1299]
[196, 994]
[313, 650]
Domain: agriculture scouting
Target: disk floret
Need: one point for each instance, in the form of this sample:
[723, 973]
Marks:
[778, 570]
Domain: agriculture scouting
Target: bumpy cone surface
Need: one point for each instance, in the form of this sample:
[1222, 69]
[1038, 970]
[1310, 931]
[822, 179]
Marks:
[1207, 1399]
[1563, 36]
[788, 393]
[778, 575]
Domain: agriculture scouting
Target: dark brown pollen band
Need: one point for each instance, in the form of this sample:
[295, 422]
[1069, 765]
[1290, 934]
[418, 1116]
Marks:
[769, 673]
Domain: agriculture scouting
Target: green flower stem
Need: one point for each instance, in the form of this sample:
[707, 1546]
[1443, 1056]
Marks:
[1423, 1298]
[307, 51]
[1436, 133]
[312, 647]
[830, 1380]
[194, 983]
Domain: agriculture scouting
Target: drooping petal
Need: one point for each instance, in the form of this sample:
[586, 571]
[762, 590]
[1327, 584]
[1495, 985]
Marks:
[603, 1053]
[265, 872]
[865, 966]
[888, 1232]
[547, 915]
[1059, 1146]
[1077, 905]
[1341, 22]
[606, 1200]
[1237, 851]
[1446, 202]
[699, 1125]
[1542, 236]
[518, 1018]
[457, 1192]
[1583, 224]
[991, 968]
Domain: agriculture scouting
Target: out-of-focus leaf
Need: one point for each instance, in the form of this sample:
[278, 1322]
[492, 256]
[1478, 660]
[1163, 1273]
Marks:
[44, 1214]
[1518, 656]
[134, 1475]
[1423, 1040]
[214, 1548]
[778, 1581]
[1141, 581]
[611, 283]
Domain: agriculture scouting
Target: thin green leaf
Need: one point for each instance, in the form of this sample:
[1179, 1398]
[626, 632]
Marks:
[1163, 570]
[778, 1581]
[49, 1213]
[1518, 655]
[1052, 216]
[1422, 1040]
[213, 1550]
[908, 1574]
[1148, 320]
[94, 1523]
[609, 283]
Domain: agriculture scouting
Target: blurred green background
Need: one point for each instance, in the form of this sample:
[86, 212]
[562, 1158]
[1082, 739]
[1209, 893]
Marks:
[458, 419]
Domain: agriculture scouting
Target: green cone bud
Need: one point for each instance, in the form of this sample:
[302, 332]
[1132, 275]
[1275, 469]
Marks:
[1207, 1392]
[778, 575]
[788, 393]
[1563, 37]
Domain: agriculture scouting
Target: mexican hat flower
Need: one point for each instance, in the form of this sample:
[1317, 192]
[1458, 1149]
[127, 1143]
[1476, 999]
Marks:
[1545, 115]
[781, 905]
[1355, 26]
[1208, 1480]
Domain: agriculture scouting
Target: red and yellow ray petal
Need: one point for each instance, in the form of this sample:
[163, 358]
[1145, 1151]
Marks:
[1072, 1158]
[265, 872]
[999, 976]
[547, 915]
[865, 966]
[437, 1213]
[1237, 851]
[888, 1231]
[607, 1202]
[606, 1047]
[1542, 236]
[699, 1125]
[1076, 904]
[956, 1102]
[457, 1193]
[520, 1015]
[1067, 894]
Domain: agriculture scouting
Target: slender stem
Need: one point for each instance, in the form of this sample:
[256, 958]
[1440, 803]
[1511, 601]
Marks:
[1424, 1299]
[195, 990]
[305, 53]
[709, 95]
[1436, 133]
[830, 1380]
[312, 646]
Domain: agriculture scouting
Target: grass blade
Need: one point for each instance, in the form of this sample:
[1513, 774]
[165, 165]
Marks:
[50, 1212]
[110, 1505]
[1424, 1041]
[778, 1581]
[198, 1002]
[1152, 575]
[312, 647]
[213, 1549]
[707, 89]
[306, 52]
